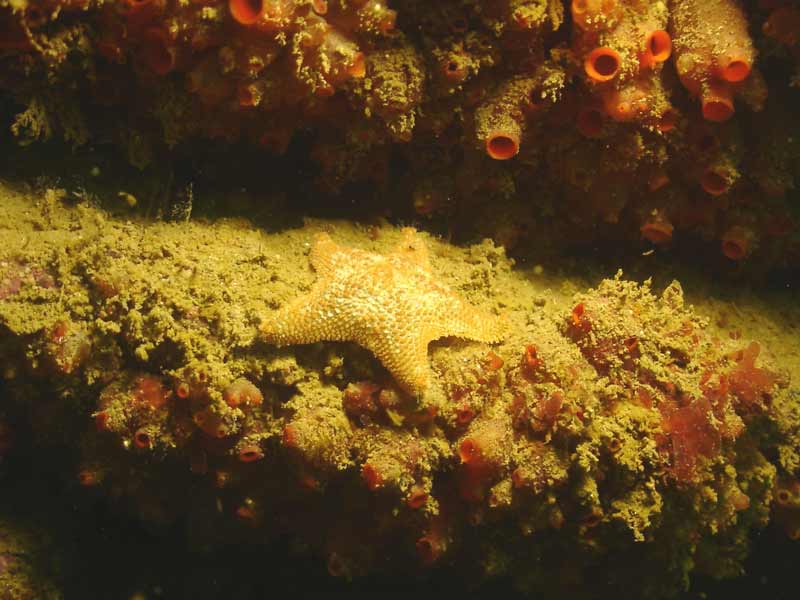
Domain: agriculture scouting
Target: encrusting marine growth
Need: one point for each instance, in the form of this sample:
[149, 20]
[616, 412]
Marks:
[27, 560]
[617, 427]
[542, 124]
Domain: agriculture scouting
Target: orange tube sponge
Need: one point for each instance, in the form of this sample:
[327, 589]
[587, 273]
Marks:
[657, 180]
[712, 47]
[485, 445]
[500, 121]
[417, 497]
[90, 476]
[250, 93]
[619, 48]
[642, 99]
[657, 228]
[657, 48]
[667, 120]
[334, 61]
[626, 103]
[248, 453]
[242, 393]
[502, 144]
[718, 176]
[454, 67]
[150, 391]
[320, 6]
[434, 542]
[266, 15]
[735, 66]
[644, 32]
[372, 16]
[499, 125]
[212, 423]
[737, 242]
[716, 100]
[246, 12]
[593, 15]
[602, 64]
[393, 461]
[142, 438]
[713, 182]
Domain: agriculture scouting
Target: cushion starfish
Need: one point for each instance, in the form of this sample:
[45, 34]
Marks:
[390, 304]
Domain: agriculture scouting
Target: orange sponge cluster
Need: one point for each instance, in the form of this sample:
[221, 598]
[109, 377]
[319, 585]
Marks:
[587, 111]
[714, 53]
[623, 47]
[242, 55]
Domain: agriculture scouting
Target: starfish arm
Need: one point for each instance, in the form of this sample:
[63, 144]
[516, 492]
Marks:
[461, 320]
[324, 252]
[327, 257]
[412, 249]
[303, 321]
[406, 358]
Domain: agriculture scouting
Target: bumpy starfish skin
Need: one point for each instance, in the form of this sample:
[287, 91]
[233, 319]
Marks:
[390, 304]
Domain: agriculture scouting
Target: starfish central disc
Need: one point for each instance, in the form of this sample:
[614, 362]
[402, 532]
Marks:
[390, 304]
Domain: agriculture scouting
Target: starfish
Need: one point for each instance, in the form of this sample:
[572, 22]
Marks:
[390, 304]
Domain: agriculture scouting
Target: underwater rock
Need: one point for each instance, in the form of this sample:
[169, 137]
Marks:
[545, 123]
[609, 422]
